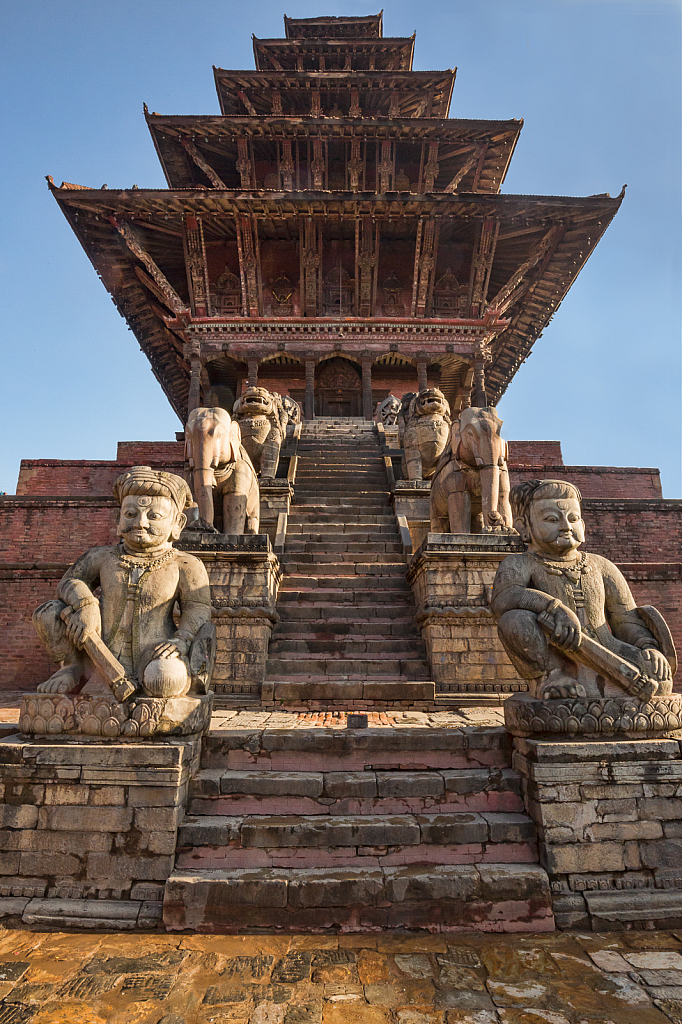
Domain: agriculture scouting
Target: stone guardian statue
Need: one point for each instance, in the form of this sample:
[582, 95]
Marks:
[127, 640]
[567, 618]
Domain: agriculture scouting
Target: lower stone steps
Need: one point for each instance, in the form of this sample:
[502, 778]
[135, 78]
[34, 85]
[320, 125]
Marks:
[408, 665]
[484, 897]
[218, 791]
[339, 840]
[345, 646]
[353, 691]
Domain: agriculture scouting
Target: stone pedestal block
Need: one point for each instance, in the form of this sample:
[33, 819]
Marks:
[275, 500]
[412, 499]
[451, 576]
[609, 819]
[244, 574]
[89, 827]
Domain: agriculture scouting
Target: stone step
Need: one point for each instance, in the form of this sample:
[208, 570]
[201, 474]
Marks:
[361, 584]
[342, 502]
[310, 560]
[299, 567]
[293, 747]
[329, 693]
[328, 550]
[490, 897]
[330, 524]
[323, 615]
[220, 791]
[216, 841]
[331, 630]
[326, 597]
[347, 646]
[408, 665]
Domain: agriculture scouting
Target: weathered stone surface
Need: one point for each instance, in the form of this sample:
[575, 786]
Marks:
[102, 715]
[612, 716]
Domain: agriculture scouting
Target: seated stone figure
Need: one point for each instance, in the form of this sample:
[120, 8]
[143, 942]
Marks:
[567, 619]
[128, 638]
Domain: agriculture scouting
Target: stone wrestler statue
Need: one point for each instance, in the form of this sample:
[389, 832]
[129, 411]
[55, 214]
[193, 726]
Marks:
[140, 579]
[567, 619]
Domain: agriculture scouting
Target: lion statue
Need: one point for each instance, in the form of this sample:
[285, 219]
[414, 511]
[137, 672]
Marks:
[263, 422]
[424, 423]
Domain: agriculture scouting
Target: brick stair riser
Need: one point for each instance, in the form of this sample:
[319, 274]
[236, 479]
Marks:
[319, 629]
[350, 751]
[328, 598]
[241, 803]
[368, 582]
[295, 567]
[227, 858]
[495, 898]
[344, 647]
[409, 666]
[322, 551]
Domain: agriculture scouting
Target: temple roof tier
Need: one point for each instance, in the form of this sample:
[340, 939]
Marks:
[391, 54]
[367, 27]
[441, 264]
[369, 93]
[451, 155]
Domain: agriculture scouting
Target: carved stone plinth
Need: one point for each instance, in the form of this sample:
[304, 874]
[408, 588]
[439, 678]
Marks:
[245, 576]
[451, 576]
[275, 500]
[101, 715]
[412, 499]
[603, 716]
[609, 817]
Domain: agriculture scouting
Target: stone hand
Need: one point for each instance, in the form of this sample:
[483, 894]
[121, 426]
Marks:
[171, 649]
[564, 630]
[82, 623]
[655, 665]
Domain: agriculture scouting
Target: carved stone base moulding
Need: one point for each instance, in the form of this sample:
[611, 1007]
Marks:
[594, 716]
[102, 716]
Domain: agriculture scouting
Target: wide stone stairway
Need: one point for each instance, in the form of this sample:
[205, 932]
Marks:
[347, 636]
[297, 822]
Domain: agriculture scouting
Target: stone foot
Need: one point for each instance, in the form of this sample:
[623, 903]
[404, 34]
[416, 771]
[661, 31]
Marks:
[557, 684]
[64, 680]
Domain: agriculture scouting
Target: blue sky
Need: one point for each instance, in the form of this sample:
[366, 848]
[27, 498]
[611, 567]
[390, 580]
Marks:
[596, 81]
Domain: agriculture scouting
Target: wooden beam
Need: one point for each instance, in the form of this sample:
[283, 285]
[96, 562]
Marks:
[415, 275]
[203, 164]
[431, 168]
[249, 270]
[195, 264]
[425, 265]
[244, 164]
[310, 262]
[247, 103]
[366, 263]
[170, 296]
[481, 265]
[464, 169]
[545, 247]
[386, 166]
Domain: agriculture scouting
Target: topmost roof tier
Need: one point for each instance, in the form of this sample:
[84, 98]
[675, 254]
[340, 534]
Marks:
[369, 27]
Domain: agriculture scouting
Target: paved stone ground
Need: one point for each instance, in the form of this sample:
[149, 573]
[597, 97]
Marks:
[568, 978]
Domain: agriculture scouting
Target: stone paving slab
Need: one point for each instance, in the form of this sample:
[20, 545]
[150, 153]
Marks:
[565, 978]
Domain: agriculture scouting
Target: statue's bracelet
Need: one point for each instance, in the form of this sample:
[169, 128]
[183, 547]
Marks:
[83, 602]
[552, 606]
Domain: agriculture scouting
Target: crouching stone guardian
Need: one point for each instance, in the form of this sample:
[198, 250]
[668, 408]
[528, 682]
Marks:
[566, 618]
[127, 640]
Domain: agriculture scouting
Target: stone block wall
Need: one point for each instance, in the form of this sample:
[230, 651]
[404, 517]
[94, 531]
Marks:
[92, 821]
[609, 820]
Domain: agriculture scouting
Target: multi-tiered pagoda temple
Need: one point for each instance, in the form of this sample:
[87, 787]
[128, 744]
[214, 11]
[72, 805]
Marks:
[333, 234]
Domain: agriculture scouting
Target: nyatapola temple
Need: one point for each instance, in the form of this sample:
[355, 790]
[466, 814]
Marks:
[331, 658]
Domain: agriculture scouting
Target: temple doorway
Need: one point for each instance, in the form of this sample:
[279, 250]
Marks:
[338, 388]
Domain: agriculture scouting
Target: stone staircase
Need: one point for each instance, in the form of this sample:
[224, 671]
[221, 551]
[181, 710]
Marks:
[298, 823]
[347, 636]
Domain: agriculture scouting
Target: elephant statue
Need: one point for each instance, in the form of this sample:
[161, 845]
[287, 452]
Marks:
[388, 410]
[220, 464]
[471, 482]
[424, 424]
[263, 424]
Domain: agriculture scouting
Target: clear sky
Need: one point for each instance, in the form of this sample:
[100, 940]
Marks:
[596, 81]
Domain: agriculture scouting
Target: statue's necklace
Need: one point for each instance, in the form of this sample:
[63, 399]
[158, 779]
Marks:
[572, 570]
[145, 566]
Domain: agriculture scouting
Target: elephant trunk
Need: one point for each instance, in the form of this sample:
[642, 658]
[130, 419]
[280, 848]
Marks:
[204, 482]
[490, 492]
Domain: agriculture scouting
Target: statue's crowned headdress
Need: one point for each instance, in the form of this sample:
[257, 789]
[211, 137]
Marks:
[155, 483]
